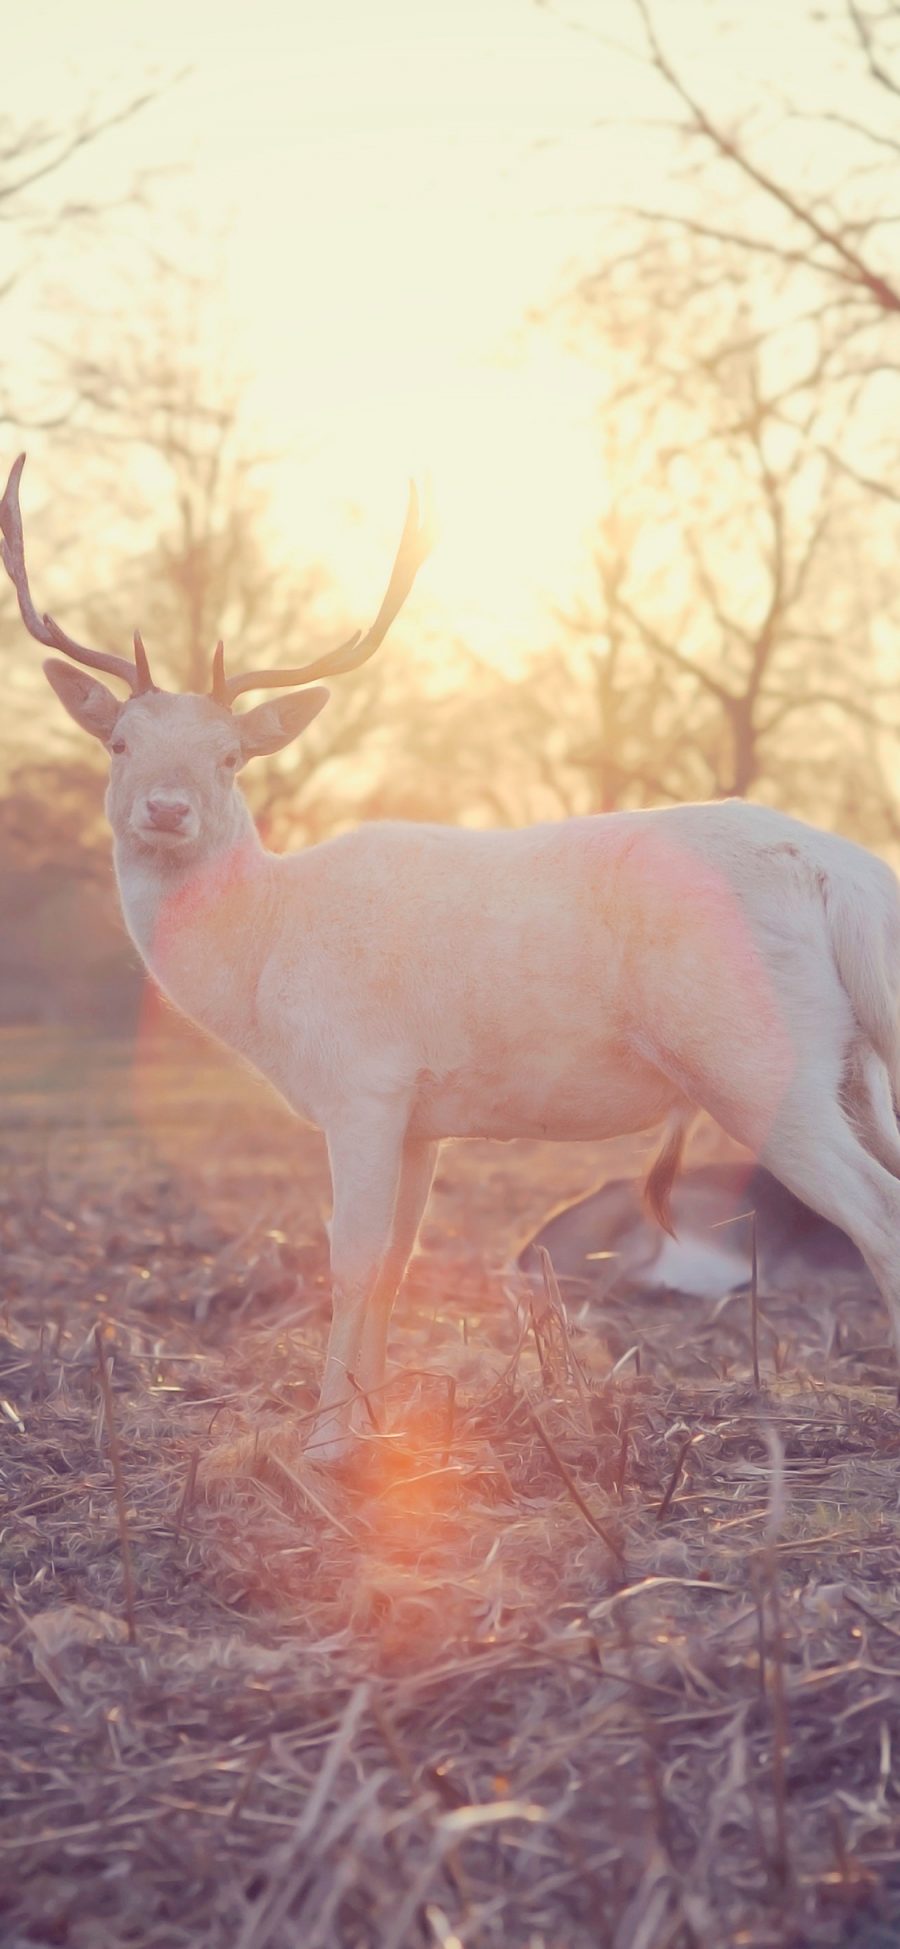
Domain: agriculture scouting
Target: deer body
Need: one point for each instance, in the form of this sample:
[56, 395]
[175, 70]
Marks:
[404, 984]
[539, 983]
[477, 979]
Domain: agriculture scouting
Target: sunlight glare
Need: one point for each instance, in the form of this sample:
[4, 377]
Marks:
[514, 467]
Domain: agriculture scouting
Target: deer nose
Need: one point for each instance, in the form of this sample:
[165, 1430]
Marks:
[167, 815]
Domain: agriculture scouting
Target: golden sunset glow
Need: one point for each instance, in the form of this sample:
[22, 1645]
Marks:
[382, 197]
[449, 1054]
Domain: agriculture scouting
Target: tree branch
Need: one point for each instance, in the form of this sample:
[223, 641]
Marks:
[881, 289]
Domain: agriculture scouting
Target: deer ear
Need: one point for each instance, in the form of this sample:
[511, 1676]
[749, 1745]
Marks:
[89, 702]
[269, 727]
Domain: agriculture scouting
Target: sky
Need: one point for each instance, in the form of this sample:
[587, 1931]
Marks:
[387, 195]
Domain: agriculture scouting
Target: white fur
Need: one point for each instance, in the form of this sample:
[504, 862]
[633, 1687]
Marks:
[695, 1266]
[405, 984]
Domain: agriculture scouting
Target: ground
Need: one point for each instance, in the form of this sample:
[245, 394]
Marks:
[598, 1644]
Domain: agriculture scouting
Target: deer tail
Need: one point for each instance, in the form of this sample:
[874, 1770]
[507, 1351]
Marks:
[664, 1169]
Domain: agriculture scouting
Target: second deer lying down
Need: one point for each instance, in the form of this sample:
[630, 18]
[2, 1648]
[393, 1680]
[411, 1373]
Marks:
[404, 984]
[609, 1240]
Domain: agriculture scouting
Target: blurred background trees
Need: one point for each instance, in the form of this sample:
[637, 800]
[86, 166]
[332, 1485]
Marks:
[754, 316]
[735, 628]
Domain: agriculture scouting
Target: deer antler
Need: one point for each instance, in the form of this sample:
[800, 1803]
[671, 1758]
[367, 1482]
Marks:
[416, 543]
[136, 674]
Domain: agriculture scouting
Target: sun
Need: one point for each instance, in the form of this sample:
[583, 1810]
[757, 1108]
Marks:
[515, 466]
[518, 475]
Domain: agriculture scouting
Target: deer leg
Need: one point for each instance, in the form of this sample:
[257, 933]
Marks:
[365, 1154]
[417, 1171]
[870, 1106]
[796, 1121]
[816, 1153]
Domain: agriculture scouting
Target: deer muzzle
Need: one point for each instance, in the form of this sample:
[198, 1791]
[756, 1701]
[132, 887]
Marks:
[167, 812]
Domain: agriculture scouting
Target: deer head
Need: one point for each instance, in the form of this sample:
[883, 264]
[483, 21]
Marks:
[174, 757]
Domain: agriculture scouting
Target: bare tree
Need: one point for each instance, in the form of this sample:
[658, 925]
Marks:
[37, 210]
[733, 642]
[170, 451]
[748, 318]
[775, 233]
[824, 232]
[169, 444]
[45, 221]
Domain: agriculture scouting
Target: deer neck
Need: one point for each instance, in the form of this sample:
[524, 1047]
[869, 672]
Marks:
[200, 926]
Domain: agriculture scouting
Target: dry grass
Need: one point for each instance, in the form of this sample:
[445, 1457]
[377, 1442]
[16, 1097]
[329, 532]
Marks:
[572, 1658]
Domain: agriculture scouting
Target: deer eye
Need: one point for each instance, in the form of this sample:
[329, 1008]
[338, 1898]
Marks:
[231, 761]
[118, 746]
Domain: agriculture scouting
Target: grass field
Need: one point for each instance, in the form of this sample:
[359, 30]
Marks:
[594, 1646]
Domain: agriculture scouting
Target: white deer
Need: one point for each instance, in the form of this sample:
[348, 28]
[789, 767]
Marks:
[408, 983]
